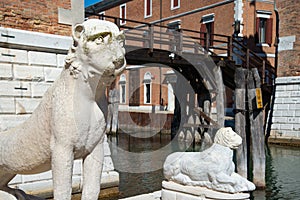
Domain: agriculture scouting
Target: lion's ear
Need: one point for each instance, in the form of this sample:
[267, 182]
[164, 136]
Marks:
[78, 29]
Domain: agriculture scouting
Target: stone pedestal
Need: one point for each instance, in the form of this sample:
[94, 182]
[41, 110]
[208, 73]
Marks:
[175, 191]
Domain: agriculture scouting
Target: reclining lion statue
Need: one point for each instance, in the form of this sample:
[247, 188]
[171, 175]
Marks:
[213, 168]
[68, 124]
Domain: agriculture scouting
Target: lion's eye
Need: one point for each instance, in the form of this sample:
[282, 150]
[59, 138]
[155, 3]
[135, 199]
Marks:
[99, 40]
[106, 39]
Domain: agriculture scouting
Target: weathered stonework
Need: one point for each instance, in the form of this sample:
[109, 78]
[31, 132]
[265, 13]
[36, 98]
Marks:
[24, 78]
[286, 112]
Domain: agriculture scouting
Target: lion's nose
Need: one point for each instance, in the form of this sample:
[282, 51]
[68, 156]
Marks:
[119, 62]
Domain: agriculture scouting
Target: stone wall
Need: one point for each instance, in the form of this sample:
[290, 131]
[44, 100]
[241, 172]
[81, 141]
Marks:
[29, 63]
[286, 112]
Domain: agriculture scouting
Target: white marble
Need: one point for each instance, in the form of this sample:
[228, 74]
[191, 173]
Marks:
[69, 123]
[6, 196]
[172, 189]
[213, 168]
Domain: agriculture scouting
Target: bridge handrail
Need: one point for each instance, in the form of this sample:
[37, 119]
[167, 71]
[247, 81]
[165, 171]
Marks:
[215, 44]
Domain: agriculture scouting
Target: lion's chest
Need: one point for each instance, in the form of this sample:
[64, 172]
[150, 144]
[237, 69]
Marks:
[90, 131]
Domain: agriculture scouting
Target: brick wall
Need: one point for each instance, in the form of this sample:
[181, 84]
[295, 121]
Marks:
[286, 119]
[39, 16]
[224, 13]
[289, 32]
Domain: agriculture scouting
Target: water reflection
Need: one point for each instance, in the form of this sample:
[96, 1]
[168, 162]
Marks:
[143, 173]
[282, 174]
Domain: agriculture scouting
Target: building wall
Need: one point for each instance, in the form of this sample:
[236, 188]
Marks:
[285, 126]
[289, 46]
[159, 89]
[225, 15]
[38, 16]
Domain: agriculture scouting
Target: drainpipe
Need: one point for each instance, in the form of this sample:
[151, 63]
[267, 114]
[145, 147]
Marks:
[269, 121]
[277, 37]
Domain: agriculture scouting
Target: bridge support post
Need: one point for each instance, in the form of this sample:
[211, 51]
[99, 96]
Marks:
[240, 120]
[257, 131]
[249, 125]
[220, 96]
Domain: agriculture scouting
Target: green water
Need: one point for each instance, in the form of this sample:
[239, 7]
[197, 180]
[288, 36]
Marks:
[144, 174]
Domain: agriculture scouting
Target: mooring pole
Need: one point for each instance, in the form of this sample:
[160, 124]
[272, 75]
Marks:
[256, 126]
[240, 120]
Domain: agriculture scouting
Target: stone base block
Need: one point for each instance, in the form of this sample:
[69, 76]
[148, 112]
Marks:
[175, 191]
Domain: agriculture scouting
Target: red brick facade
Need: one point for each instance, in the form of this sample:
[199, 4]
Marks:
[31, 15]
[289, 60]
[192, 13]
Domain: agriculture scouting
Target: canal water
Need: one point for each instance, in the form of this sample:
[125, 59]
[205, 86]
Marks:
[139, 161]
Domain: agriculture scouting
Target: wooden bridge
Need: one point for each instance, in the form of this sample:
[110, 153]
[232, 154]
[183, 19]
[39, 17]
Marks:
[206, 62]
[228, 52]
[195, 55]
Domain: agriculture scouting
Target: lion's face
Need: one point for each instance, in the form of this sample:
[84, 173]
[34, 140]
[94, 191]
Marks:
[100, 47]
[227, 137]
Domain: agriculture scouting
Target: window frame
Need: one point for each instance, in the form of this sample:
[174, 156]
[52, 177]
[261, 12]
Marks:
[208, 26]
[122, 82]
[146, 8]
[268, 32]
[175, 7]
[147, 81]
[101, 15]
[122, 22]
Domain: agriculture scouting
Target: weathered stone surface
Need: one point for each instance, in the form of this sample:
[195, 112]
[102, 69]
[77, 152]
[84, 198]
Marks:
[10, 121]
[285, 120]
[41, 58]
[15, 88]
[7, 105]
[24, 72]
[175, 191]
[13, 56]
[70, 114]
[213, 168]
[6, 196]
[6, 71]
[51, 74]
[26, 105]
[38, 89]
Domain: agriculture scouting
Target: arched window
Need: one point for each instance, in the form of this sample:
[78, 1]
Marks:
[147, 88]
[122, 84]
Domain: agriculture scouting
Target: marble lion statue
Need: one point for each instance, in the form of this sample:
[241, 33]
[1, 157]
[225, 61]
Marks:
[68, 124]
[213, 168]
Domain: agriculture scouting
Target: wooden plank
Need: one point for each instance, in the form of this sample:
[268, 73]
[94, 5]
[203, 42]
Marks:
[240, 120]
[220, 95]
[115, 114]
[188, 125]
[257, 131]
[206, 117]
[109, 119]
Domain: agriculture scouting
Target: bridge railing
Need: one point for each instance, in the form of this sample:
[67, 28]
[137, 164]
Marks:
[179, 41]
